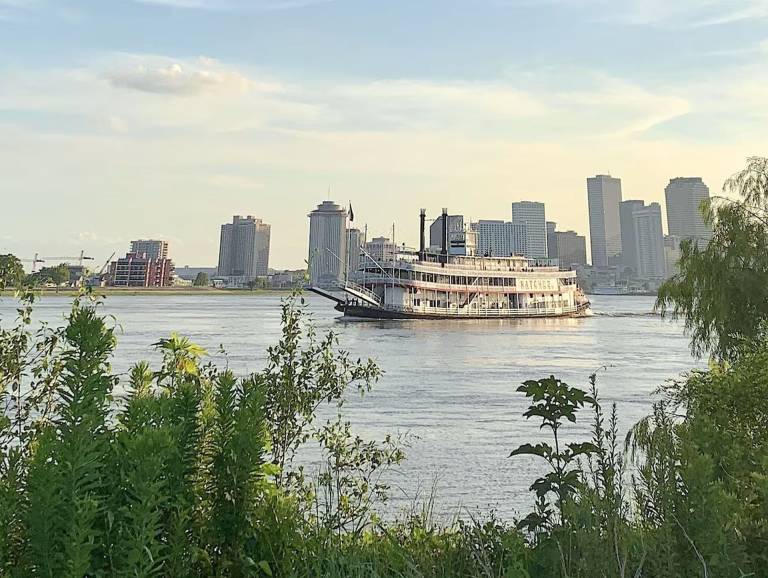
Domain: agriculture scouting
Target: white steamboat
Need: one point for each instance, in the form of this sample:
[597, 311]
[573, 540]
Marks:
[436, 284]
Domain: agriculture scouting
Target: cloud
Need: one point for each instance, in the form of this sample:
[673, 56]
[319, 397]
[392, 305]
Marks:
[671, 13]
[13, 9]
[213, 98]
[183, 79]
[621, 108]
[410, 96]
[227, 5]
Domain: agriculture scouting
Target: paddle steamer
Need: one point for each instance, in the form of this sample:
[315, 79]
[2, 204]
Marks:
[451, 282]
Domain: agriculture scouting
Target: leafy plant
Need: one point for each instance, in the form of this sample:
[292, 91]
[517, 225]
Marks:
[553, 402]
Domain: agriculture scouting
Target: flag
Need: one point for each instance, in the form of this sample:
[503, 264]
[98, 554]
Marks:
[351, 212]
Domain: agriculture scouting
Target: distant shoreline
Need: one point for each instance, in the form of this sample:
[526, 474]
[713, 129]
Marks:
[191, 291]
[632, 294]
[143, 291]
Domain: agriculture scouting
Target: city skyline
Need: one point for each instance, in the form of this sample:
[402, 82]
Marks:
[433, 221]
[203, 109]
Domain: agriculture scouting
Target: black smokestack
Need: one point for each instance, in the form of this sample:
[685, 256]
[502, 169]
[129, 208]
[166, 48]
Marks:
[422, 242]
[444, 246]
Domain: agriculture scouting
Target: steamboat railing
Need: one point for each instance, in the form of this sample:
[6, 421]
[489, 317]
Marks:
[486, 312]
[361, 293]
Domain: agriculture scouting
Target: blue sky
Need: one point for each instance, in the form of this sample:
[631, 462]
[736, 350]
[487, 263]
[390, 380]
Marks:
[125, 118]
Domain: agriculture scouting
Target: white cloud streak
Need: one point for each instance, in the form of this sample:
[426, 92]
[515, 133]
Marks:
[230, 5]
[180, 78]
[671, 13]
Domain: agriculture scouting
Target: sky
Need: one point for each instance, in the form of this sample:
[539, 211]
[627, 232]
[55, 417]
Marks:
[123, 119]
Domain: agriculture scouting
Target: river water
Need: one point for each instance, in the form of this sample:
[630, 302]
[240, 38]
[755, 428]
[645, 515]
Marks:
[449, 385]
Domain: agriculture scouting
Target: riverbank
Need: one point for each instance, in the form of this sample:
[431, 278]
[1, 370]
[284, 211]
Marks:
[153, 291]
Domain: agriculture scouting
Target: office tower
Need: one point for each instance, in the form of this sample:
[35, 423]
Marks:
[531, 214]
[671, 254]
[244, 248]
[355, 241]
[152, 248]
[646, 238]
[499, 238]
[684, 196]
[551, 240]
[629, 255]
[327, 244]
[571, 249]
[603, 198]
[455, 225]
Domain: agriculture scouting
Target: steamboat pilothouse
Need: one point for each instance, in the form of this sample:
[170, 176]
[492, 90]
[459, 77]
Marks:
[452, 282]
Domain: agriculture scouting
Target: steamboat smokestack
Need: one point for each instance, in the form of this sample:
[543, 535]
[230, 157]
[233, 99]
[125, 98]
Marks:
[444, 245]
[422, 241]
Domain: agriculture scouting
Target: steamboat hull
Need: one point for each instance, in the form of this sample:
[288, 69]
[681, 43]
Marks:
[370, 312]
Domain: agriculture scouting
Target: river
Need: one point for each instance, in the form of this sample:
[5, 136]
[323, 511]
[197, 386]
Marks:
[449, 385]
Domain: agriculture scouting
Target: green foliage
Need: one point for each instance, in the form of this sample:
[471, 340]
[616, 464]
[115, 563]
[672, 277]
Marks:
[201, 280]
[350, 483]
[11, 271]
[180, 476]
[260, 283]
[721, 291]
[305, 371]
[187, 470]
[57, 275]
[553, 402]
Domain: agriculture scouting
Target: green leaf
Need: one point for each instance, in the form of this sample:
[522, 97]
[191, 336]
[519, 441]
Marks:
[542, 450]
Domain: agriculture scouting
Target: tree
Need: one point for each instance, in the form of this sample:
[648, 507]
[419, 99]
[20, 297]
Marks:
[56, 275]
[201, 280]
[11, 270]
[721, 291]
[258, 283]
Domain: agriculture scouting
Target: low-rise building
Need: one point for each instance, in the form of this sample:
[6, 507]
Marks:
[191, 273]
[288, 279]
[140, 270]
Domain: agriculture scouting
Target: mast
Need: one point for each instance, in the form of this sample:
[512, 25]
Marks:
[394, 255]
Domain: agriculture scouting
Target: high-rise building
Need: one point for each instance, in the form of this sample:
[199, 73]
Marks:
[244, 249]
[152, 248]
[684, 196]
[629, 256]
[499, 238]
[327, 244]
[455, 225]
[671, 254]
[603, 198]
[647, 238]
[551, 240]
[355, 241]
[571, 249]
[531, 214]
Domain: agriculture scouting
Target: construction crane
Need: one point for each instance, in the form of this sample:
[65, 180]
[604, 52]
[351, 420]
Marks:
[96, 278]
[106, 264]
[82, 257]
[34, 261]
